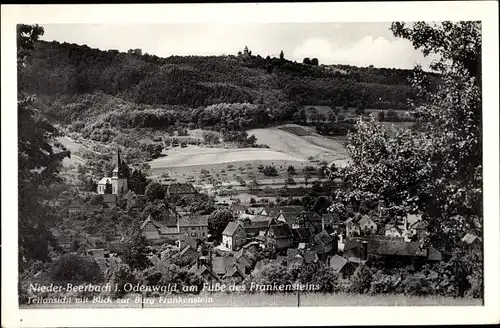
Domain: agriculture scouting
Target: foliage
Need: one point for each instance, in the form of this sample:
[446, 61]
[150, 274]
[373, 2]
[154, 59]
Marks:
[270, 171]
[39, 160]
[138, 182]
[361, 280]
[76, 269]
[218, 221]
[155, 190]
[436, 170]
[136, 253]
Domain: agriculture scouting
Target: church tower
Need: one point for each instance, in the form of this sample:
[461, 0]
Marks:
[119, 179]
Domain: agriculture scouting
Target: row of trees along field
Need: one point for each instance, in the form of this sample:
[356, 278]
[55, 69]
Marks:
[437, 169]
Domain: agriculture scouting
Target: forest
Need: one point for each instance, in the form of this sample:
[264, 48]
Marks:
[63, 74]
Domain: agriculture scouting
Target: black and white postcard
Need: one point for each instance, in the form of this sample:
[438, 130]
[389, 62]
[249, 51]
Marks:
[242, 164]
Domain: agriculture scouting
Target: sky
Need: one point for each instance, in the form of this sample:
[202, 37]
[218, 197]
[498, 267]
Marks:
[359, 44]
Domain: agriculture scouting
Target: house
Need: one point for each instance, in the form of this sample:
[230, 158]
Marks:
[254, 224]
[235, 272]
[288, 215]
[203, 269]
[101, 185]
[135, 200]
[367, 225]
[301, 235]
[238, 208]
[165, 230]
[243, 259]
[222, 265]
[342, 266]
[417, 228]
[473, 243]
[78, 205]
[391, 250]
[310, 256]
[331, 223]
[310, 220]
[279, 236]
[110, 200]
[181, 190]
[234, 236]
[61, 238]
[325, 243]
[352, 229]
[189, 253]
[194, 226]
[393, 230]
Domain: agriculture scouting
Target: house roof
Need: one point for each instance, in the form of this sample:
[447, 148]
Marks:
[222, 264]
[189, 251]
[104, 180]
[129, 194]
[235, 271]
[301, 234]
[281, 230]
[337, 262]
[181, 188]
[109, 198]
[193, 221]
[434, 254]
[301, 246]
[310, 256]
[323, 238]
[330, 218]
[388, 247]
[413, 218]
[391, 226]
[244, 260]
[469, 238]
[365, 219]
[291, 252]
[231, 228]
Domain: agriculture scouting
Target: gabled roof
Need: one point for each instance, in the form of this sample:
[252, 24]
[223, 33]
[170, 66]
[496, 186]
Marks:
[222, 264]
[323, 238]
[244, 260]
[413, 218]
[310, 256]
[365, 219]
[291, 252]
[129, 194]
[393, 226]
[181, 188]
[104, 180]
[235, 271]
[281, 230]
[469, 238]
[330, 218]
[301, 234]
[193, 221]
[188, 250]
[337, 262]
[231, 228]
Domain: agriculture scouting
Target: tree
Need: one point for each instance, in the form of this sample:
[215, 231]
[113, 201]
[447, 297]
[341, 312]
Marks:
[76, 269]
[282, 55]
[270, 171]
[218, 221]
[108, 189]
[437, 169]
[314, 62]
[307, 177]
[391, 116]
[155, 190]
[291, 170]
[39, 160]
[138, 182]
[381, 116]
[136, 253]
[307, 61]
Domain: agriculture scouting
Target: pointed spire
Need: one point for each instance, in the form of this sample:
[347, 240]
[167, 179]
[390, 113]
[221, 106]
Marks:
[118, 170]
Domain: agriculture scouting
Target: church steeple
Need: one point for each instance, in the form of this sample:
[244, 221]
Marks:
[118, 171]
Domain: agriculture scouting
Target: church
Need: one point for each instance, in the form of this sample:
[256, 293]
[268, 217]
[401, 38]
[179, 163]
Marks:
[118, 181]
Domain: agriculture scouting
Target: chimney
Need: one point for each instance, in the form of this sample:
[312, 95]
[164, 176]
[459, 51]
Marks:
[364, 250]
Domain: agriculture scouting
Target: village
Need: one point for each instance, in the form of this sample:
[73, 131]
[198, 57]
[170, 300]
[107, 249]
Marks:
[259, 233]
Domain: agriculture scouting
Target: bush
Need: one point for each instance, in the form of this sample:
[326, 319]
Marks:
[270, 171]
[361, 280]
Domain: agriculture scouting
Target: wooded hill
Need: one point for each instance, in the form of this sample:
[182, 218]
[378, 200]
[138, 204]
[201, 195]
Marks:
[78, 83]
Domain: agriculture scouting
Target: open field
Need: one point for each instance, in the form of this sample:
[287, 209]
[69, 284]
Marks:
[277, 300]
[73, 147]
[292, 139]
